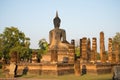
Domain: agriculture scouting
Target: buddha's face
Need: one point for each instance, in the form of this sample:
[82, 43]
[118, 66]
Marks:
[57, 25]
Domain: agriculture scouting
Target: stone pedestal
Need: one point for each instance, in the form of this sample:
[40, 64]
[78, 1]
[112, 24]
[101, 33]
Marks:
[61, 54]
[57, 69]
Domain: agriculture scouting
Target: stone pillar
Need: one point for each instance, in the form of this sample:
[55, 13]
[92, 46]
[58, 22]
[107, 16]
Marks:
[72, 52]
[110, 53]
[84, 57]
[80, 48]
[88, 49]
[102, 48]
[94, 49]
[116, 52]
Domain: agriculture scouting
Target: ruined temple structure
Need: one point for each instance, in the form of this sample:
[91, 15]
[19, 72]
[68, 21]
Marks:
[102, 48]
[60, 58]
[59, 47]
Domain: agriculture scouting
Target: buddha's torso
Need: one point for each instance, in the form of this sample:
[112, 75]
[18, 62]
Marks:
[57, 35]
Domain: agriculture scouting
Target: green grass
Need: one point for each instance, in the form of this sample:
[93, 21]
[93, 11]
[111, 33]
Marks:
[1, 74]
[65, 77]
[72, 77]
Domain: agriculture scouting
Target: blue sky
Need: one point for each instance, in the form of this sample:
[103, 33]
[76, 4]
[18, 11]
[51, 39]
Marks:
[80, 18]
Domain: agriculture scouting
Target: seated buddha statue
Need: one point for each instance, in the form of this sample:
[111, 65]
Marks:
[57, 36]
[59, 47]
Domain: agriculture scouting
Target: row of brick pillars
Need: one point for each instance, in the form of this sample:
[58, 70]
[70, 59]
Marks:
[87, 54]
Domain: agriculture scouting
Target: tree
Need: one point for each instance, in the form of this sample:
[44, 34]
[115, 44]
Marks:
[13, 40]
[116, 38]
[77, 51]
[1, 55]
[43, 47]
[43, 44]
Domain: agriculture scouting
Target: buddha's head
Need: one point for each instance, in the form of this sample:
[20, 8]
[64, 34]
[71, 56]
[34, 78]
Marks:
[56, 21]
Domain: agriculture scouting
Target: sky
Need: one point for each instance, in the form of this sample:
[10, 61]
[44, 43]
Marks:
[80, 18]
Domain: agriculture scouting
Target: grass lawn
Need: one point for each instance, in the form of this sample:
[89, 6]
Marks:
[1, 74]
[72, 77]
[65, 77]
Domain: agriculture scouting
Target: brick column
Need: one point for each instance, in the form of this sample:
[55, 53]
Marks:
[110, 52]
[84, 57]
[116, 52]
[102, 48]
[89, 49]
[94, 49]
[72, 52]
[80, 48]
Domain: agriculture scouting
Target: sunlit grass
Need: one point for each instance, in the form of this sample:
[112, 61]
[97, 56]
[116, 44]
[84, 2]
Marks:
[1, 74]
[65, 77]
[72, 77]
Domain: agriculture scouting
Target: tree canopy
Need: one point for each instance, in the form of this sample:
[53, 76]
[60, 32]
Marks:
[116, 38]
[13, 40]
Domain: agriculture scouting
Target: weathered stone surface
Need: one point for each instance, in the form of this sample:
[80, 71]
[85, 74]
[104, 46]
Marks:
[54, 56]
[102, 48]
[116, 52]
[72, 52]
[110, 51]
[80, 48]
[46, 69]
[94, 50]
[84, 57]
[96, 69]
[61, 54]
[89, 49]
[77, 68]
